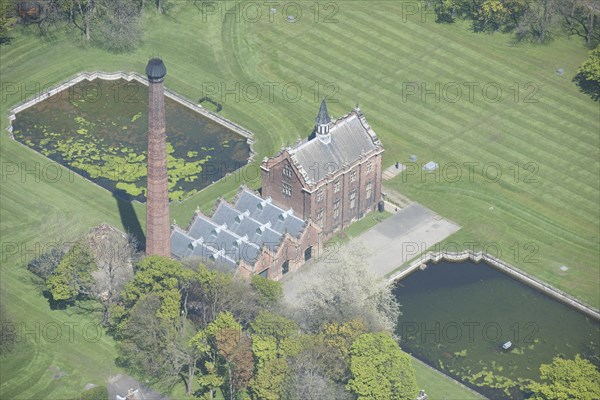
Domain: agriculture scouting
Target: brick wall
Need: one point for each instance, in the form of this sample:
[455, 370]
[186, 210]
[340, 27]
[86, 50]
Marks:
[305, 202]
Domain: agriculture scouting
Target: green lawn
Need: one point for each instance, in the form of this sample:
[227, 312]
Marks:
[367, 55]
[359, 227]
[438, 386]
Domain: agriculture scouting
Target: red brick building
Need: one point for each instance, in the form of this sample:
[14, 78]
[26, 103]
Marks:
[249, 236]
[333, 177]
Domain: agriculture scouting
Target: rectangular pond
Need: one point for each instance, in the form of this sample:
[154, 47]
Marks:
[98, 128]
[456, 316]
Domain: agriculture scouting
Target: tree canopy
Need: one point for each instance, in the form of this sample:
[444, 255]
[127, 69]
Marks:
[576, 379]
[380, 369]
[588, 75]
[73, 276]
[347, 290]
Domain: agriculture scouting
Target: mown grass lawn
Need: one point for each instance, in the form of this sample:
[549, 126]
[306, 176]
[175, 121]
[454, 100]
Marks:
[438, 386]
[370, 55]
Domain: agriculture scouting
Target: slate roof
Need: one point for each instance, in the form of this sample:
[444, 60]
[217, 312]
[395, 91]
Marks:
[236, 232]
[323, 116]
[265, 211]
[351, 136]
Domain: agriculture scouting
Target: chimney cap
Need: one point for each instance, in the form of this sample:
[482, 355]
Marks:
[156, 70]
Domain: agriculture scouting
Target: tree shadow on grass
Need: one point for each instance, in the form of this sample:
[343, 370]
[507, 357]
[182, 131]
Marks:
[54, 304]
[129, 218]
[5, 40]
[591, 88]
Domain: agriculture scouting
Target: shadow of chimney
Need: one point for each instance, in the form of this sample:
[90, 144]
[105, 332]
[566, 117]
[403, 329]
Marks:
[129, 218]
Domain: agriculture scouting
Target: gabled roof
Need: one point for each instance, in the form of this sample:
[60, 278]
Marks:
[265, 211]
[255, 232]
[351, 136]
[184, 246]
[236, 232]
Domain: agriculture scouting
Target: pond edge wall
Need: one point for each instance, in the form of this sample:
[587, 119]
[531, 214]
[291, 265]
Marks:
[90, 76]
[421, 263]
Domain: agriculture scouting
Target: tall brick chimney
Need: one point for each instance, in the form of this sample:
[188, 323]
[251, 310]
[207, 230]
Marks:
[158, 230]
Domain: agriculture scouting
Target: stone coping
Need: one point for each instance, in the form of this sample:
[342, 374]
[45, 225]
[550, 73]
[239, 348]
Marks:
[90, 76]
[504, 267]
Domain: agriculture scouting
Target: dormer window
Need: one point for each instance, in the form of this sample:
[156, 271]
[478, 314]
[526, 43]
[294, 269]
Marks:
[285, 214]
[240, 217]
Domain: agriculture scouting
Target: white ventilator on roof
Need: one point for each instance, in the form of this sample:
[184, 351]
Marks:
[197, 242]
[239, 218]
[285, 214]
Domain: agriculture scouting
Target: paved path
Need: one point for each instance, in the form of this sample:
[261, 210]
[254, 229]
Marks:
[396, 240]
[392, 171]
[403, 236]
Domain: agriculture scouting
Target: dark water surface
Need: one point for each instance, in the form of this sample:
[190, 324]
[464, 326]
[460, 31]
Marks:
[456, 316]
[99, 129]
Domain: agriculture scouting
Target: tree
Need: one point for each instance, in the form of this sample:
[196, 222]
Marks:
[588, 75]
[576, 379]
[581, 19]
[323, 362]
[269, 381]
[270, 293]
[183, 357]
[380, 369]
[147, 342]
[115, 255]
[307, 381]
[345, 291]
[160, 6]
[119, 27]
[494, 15]
[337, 339]
[537, 20]
[235, 351]
[210, 381]
[213, 292]
[45, 265]
[446, 10]
[225, 346]
[162, 277]
[275, 338]
[81, 16]
[112, 24]
[7, 19]
[73, 276]
[270, 324]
